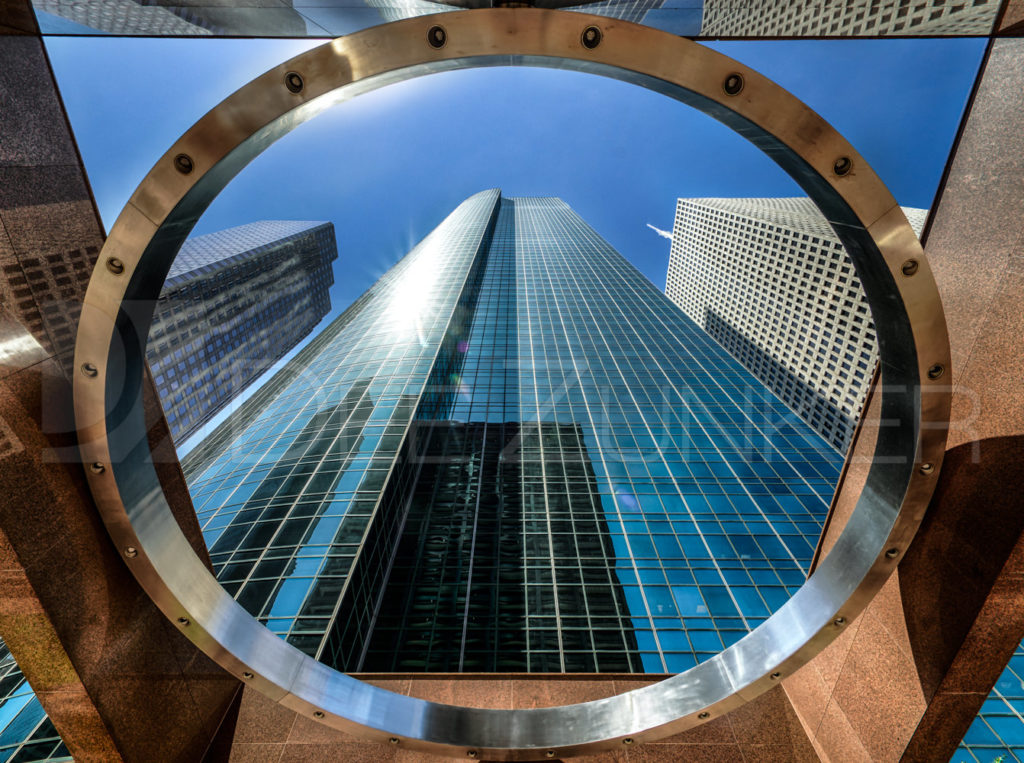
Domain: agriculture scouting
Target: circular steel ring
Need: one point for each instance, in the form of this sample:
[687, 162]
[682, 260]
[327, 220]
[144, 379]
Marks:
[115, 321]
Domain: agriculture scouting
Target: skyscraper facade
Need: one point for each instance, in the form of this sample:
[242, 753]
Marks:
[512, 453]
[26, 733]
[770, 281]
[997, 733]
[845, 18]
[234, 302]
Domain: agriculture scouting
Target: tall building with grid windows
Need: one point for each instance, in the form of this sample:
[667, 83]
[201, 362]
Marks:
[234, 302]
[860, 18]
[512, 453]
[770, 281]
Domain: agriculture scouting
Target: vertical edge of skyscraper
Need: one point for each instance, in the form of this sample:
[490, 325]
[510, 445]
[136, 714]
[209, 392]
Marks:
[770, 281]
[235, 301]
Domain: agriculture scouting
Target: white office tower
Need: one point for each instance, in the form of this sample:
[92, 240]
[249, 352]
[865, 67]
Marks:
[770, 281]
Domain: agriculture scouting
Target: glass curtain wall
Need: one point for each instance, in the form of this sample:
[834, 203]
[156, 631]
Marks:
[571, 474]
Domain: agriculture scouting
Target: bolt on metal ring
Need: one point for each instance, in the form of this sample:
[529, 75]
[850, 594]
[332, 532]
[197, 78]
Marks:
[318, 713]
[733, 84]
[96, 467]
[628, 740]
[247, 675]
[472, 753]
[927, 468]
[393, 740]
[184, 621]
[437, 37]
[550, 753]
[909, 267]
[892, 553]
[591, 37]
[704, 716]
[775, 676]
[293, 81]
[842, 166]
[183, 164]
[89, 370]
[935, 371]
[839, 622]
[115, 266]
[131, 552]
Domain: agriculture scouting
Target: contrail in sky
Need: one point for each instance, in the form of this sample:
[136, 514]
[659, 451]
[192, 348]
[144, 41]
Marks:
[660, 232]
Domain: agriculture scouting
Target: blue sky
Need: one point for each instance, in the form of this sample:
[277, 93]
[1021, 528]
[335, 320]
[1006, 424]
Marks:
[388, 166]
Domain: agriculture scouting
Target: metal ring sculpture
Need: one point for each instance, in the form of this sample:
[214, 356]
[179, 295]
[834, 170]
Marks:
[905, 305]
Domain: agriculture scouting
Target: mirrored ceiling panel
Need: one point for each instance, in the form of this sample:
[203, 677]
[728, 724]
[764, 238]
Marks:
[692, 18]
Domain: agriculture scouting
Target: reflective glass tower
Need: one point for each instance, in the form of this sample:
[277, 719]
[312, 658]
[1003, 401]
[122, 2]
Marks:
[26, 733]
[512, 453]
[234, 302]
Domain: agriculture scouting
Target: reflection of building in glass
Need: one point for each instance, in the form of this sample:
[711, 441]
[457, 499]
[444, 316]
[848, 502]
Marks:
[770, 280]
[234, 302]
[774, 18]
[125, 17]
[183, 17]
[998, 731]
[396, 10]
[26, 733]
[627, 10]
[512, 453]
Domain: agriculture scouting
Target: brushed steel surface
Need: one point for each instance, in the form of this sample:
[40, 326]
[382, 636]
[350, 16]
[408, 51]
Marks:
[118, 309]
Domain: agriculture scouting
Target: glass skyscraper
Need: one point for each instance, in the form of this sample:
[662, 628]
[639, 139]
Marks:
[512, 453]
[234, 302]
[26, 733]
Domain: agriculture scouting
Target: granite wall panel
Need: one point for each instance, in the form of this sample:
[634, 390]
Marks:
[910, 674]
[117, 679]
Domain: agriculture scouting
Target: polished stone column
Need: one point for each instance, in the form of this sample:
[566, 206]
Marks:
[117, 679]
[910, 674]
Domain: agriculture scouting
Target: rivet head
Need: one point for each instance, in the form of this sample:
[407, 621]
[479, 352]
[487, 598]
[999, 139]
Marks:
[627, 740]
[842, 166]
[115, 266]
[89, 370]
[704, 716]
[927, 468]
[839, 622]
[892, 553]
[184, 621]
[909, 267]
[550, 753]
[472, 753]
[97, 468]
[775, 676]
[393, 740]
[935, 371]
[437, 37]
[183, 164]
[131, 552]
[591, 37]
[247, 675]
[318, 713]
[733, 84]
[293, 81]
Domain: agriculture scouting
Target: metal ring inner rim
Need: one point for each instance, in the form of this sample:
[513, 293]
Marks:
[113, 329]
